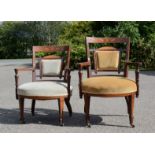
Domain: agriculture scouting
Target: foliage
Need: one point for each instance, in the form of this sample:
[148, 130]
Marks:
[141, 34]
[74, 35]
[17, 38]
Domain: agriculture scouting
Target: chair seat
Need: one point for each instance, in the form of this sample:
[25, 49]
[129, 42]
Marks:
[43, 88]
[108, 85]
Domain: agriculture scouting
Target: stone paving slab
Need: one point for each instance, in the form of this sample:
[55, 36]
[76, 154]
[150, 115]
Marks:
[107, 114]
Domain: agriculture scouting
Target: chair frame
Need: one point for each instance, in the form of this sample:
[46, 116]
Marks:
[129, 97]
[66, 78]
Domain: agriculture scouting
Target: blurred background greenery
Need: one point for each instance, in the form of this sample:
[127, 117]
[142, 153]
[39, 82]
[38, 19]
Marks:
[17, 38]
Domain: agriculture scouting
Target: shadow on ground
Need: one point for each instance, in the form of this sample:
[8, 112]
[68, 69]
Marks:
[50, 117]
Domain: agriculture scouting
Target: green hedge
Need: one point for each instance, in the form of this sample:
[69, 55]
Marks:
[17, 38]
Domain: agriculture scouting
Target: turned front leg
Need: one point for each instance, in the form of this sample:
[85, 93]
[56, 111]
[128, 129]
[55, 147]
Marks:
[86, 109]
[21, 108]
[131, 112]
[61, 108]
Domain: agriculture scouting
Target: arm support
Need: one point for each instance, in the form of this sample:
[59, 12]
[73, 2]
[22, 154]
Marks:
[136, 64]
[81, 66]
[17, 70]
[67, 78]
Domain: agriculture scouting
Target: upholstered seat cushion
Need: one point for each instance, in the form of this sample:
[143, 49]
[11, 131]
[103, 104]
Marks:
[43, 88]
[108, 85]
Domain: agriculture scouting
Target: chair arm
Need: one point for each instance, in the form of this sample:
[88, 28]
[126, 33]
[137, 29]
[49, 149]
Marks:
[137, 65]
[23, 69]
[84, 64]
[81, 66]
[17, 70]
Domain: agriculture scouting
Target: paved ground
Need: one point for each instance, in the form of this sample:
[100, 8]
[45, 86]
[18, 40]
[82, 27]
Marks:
[107, 114]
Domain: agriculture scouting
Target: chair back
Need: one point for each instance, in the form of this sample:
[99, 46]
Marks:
[107, 53]
[50, 61]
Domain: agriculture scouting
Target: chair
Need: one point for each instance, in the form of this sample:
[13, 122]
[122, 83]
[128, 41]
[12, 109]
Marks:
[50, 79]
[108, 58]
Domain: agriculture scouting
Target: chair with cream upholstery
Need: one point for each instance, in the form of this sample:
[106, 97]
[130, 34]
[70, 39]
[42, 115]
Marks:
[108, 58]
[50, 79]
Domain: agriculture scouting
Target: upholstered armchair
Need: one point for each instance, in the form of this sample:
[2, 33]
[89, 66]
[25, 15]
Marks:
[50, 79]
[107, 57]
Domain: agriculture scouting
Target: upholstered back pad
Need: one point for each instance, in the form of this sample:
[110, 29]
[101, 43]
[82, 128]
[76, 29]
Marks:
[51, 67]
[107, 60]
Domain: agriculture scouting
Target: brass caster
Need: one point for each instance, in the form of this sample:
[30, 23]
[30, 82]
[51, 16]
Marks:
[88, 125]
[132, 125]
[61, 123]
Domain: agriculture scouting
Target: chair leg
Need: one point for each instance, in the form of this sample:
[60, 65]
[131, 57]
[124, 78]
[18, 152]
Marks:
[21, 108]
[61, 107]
[67, 102]
[131, 110]
[86, 109]
[127, 98]
[33, 107]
